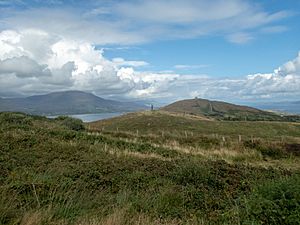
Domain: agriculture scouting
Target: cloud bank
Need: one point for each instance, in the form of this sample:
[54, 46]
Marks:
[34, 61]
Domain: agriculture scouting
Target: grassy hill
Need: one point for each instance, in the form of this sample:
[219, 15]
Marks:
[158, 122]
[67, 102]
[147, 168]
[224, 111]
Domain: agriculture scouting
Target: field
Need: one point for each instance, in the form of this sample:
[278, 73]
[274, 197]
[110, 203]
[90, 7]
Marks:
[148, 168]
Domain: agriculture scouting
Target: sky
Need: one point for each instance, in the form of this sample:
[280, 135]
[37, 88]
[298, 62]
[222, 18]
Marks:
[238, 51]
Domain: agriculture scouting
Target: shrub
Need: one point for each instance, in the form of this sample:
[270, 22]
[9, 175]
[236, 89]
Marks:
[71, 123]
[273, 150]
[276, 202]
[15, 118]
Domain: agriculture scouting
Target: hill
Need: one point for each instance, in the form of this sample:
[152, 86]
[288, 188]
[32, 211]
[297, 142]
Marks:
[56, 171]
[224, 111]
[67, 102]
[162, 122]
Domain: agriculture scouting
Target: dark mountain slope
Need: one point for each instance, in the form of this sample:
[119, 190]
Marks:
[68, 102]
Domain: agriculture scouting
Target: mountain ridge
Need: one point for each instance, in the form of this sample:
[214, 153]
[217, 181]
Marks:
[66, 102]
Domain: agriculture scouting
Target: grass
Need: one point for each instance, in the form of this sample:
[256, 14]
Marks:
[225, 111]
[51, 172]
[162, 123]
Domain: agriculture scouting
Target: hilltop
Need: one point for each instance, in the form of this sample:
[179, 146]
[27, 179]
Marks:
[224, 111]
[66, 102]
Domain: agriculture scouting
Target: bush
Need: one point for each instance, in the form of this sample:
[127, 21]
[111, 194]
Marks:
[276, 202]
[19, 119]
[71, 123]
[274, 150]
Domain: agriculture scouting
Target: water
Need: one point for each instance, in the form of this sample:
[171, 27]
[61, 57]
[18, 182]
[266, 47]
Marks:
[94, 117]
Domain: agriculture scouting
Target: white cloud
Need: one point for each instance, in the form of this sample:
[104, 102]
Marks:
[188, 67]
[62, 76]
[123, 62]
[291, 67]
[23, 67]
[61, 64]
[75, 25]
[191, 18]
[130, 22]
[239, 38]
[177, 11]
[283, 83]
[64, 64]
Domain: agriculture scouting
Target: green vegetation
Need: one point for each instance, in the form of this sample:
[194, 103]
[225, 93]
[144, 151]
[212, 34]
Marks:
[148, 168]
[225, 111]
[71, 123]
[162, 123]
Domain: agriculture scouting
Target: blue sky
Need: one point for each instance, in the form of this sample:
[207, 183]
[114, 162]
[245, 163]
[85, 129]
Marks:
[222, 58]
[234, 50]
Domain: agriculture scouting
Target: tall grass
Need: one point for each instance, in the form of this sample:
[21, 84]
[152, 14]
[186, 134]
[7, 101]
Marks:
[53, 174]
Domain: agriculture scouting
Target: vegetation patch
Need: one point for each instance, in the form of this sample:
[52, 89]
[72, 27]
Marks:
[51, 173]
[71, 123]
[275, 202]
[273, 150]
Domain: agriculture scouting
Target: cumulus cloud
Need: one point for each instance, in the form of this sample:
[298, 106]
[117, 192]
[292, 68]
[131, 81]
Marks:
[23, 67]
[54, 63]
[291, 67]
[61, 77]
[283, 83]
[62, 64]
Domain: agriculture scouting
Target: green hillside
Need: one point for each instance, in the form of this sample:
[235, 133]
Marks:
[224, 111]
[147, 168]
[156, 122]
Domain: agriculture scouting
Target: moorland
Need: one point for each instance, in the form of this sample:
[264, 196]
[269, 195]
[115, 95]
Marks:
[152, 167]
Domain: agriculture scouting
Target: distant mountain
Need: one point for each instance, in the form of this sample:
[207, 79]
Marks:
[67, 102]
[222, 110]
[292, 107]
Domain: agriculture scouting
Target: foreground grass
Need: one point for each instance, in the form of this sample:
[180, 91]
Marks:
[53, 172]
